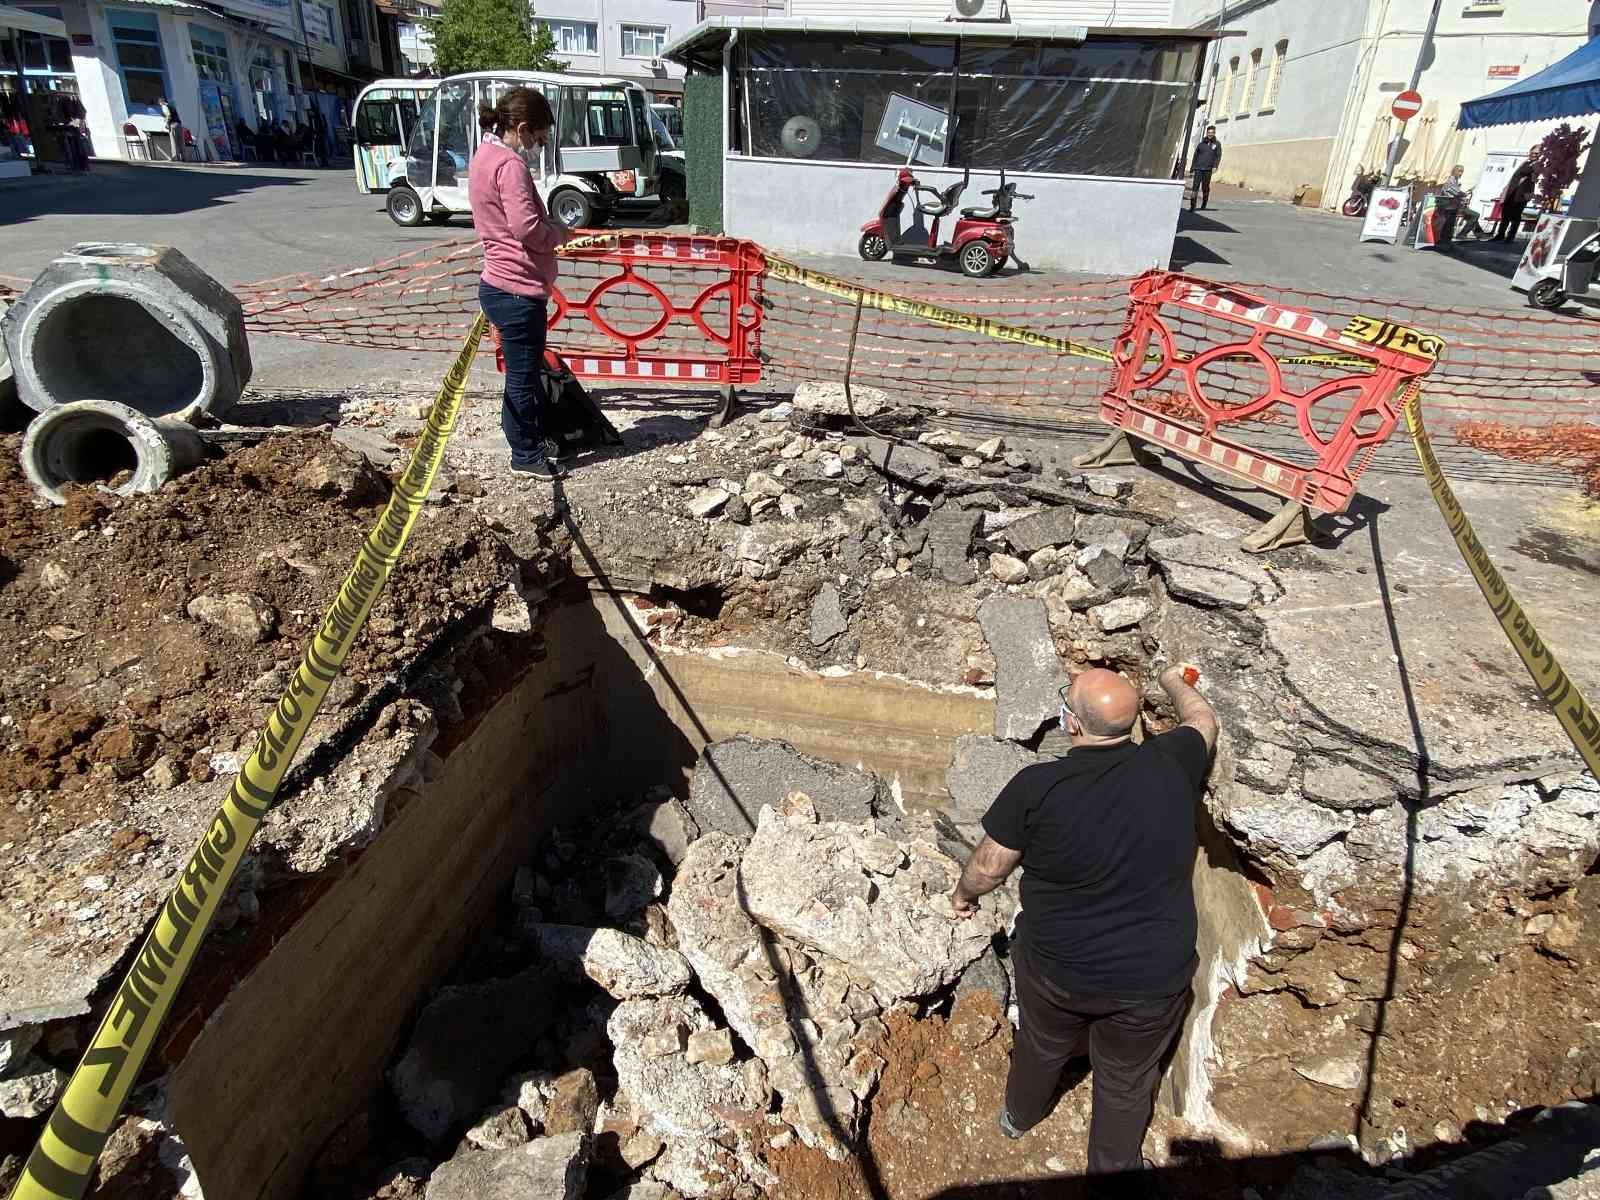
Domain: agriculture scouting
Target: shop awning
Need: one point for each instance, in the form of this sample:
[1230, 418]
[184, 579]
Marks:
[28, 22]
[1569, 88]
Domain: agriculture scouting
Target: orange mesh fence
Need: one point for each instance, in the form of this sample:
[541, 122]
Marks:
[1520, 386]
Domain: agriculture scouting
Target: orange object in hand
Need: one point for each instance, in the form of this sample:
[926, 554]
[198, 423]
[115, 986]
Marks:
[1191, 676]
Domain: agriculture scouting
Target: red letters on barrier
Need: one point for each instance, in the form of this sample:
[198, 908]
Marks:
[1342, 415]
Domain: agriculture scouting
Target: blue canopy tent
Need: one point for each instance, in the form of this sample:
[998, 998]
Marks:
[1569, 88]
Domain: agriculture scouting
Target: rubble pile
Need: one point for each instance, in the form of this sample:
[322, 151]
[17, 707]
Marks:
[735, 1006]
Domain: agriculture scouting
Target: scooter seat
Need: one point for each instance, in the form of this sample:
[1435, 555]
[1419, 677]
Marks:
[980, 214]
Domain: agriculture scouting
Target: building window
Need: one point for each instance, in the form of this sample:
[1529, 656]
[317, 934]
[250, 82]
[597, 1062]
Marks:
[1116, 108]
[137, 40]
[643, 41]
[1225, 97]
[1275, 76]
[1245, 101]
[576, 37]
[210, 50]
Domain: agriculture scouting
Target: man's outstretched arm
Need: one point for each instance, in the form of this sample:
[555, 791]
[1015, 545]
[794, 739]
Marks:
[1194, 710]
[985, 870]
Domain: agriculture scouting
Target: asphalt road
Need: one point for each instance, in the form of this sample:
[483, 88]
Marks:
[251, 223]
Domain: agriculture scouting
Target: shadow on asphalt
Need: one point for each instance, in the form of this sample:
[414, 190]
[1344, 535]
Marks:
[125, 190]
[1199, 222]
[1186, 252]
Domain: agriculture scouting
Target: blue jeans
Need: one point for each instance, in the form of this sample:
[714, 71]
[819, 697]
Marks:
[521, 323]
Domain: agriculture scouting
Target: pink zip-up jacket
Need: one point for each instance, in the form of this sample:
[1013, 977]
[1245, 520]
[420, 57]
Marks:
[519, 236]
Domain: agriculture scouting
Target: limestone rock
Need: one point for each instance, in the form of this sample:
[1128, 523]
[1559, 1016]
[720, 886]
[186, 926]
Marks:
[950, 534]
[827, 616]
[1281, 827]
[1208, 570]
[825, 885]
[980, 767]
[511, 612]
[15, 1044]
[755, 977]
[623, 965]
[1341, 786]
[1043, 563]
[242, 615]
[1007, 569]
[999, 520]
[1052, 527]
[632, 882]
[668, 827]
[501, 1128]
[451, 1070]
[553, 1168]
[710, 1046]
[1028, 676]
[369, 444]
[32, 1087]
[1122, 613]
[674, 1097]
[734, 778]
[827, 398]
[707, 502]
[340, 474]
[1344, 1074]
[572, 1101]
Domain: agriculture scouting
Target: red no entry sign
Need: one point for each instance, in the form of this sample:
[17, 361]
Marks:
[1406, 105]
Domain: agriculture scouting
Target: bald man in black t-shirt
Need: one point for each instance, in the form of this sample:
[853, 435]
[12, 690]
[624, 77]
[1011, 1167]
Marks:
[1105, 943]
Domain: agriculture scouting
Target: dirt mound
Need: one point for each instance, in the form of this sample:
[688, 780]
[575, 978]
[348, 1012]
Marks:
[143, 636]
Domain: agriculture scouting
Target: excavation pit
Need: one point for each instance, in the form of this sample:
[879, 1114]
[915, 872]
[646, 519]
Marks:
[536, 680]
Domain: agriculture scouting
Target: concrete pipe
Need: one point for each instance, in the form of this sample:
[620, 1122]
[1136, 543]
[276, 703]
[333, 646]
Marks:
[138, 325]
[94, 441]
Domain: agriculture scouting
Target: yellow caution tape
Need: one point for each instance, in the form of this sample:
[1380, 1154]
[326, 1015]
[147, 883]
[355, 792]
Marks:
[833, 285]
[1375, 331]
[1571, 709]
[62, 1163]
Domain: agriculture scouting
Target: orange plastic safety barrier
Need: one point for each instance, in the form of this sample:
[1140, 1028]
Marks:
[1343, 388]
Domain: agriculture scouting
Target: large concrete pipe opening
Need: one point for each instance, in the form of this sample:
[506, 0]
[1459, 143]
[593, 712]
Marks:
[139, 325]
[92, 345]
[101, 442]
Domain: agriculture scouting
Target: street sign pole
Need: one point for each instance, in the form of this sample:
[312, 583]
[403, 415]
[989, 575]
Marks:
[1416, 76]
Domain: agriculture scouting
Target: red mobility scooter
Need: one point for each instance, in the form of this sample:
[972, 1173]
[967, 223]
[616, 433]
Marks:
[982, 239]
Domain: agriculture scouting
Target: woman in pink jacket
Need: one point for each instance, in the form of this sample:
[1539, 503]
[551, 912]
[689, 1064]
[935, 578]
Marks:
[519, 264]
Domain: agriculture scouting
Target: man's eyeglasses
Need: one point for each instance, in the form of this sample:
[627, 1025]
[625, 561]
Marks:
[1066, 705]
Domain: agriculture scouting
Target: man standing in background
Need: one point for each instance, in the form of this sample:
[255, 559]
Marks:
[1207, 158]
[1519, 190]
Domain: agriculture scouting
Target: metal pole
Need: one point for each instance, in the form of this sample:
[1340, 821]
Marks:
[1211, 94]
[1416, 76]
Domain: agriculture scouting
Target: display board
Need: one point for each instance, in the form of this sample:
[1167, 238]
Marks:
[1386, 214]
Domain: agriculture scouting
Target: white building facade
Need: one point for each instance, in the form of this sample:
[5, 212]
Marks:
[1301, 95]
[249, 61]
[621, 38]
[1125, 13]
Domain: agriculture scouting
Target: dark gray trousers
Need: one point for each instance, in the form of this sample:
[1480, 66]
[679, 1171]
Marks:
[1125, 1039]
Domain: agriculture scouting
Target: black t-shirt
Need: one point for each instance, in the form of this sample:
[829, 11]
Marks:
[1107, 836]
